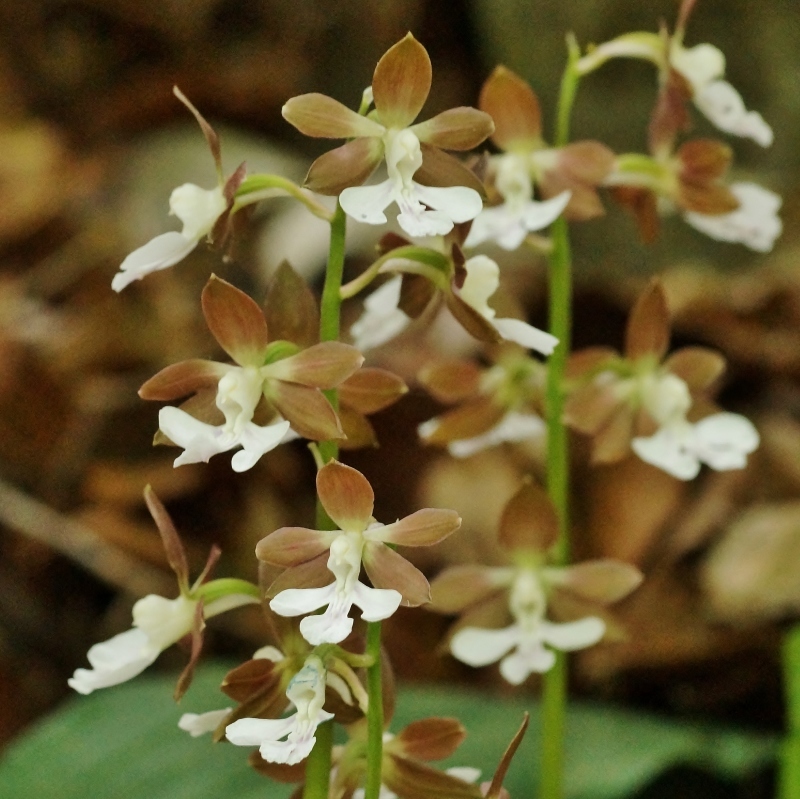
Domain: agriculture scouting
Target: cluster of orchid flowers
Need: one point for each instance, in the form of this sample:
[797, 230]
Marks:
[284, 383]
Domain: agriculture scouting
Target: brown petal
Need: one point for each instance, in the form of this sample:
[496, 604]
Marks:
[416, 293]
[173, 546]
[291, 546]
[603, 581]
[589, 360]
[248, 678]
[451, 381]
[423, 528]
[236, 322]
[514, 107]
[459, 587]
[291, 308]
[475, 324]
[370, 390]
[310, 414]
[704, 160]
[613, 442]
[648, 327]
[529, 521]
[442, 169]
[704, 199]
[414, 780]
[387, 569]
[323, 117]
[643, 204]
[401, 82]
[698, 367]
[590, 407]
[467, 421]
[346, 496]
[359, 433]
[324, 365]
[669, 117]
[455, 129]
[180, 379]
[429, 739]
[346, 166]
[311, 574]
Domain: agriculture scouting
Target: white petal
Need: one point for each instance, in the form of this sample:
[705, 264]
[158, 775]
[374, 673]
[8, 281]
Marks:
[367, 203]
[724, 106]
[526, 335]
[724, 440]
[499, 224]
[255, 441]
[513, 427]
[197, 724]
[115, 661]
[476, 646]
[298, 601]
[376, 603]
[480, 283]
[669, 449]
[159, 253]
[164, 621]
[574, 634]
[198, 209]
[332, 627]
[381, 320]
[525, 660]
[458, 203]
[199, 440]
[700, 64]
[268, 653]
[466, 774]
[253, 732]
[420, 223]
[537, 215]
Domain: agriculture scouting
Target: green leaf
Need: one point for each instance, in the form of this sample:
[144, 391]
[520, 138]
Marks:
[124, 742]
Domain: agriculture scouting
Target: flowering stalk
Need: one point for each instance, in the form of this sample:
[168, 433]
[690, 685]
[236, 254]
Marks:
[554, 698]
[372, 785]
[318, 764]
[789, 777]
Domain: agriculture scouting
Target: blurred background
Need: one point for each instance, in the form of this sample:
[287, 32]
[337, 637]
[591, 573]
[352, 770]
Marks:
[91, 143]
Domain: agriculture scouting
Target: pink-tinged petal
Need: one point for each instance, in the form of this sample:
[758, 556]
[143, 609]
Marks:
[257, 441]
[648, 327]
[455, 129]
[323, 366]
[313, 573]
[236, 322]
[290, 546]
[401, 82]
[478, 647]
[411, 779]
[429, 739]
[423, 528]
[387, 569]
[173, 546]
[368, 203]
[514, 107]
[370, 390]
[573, 635]
[299, 601]
[459, 587]
[159, 253]
[323, 117]
[441, 169]
[603, 581]
[310, 414]
[376, 604]
[291, 308]
[346, 166]
[451, 381]
[346, 496]
[529, 521]
[181, 379]
[698, 367]
[526, 335]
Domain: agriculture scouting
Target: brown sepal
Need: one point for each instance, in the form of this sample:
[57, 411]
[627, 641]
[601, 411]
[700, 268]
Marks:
[173, 546]
[416, 293]
[346, 495]
[451, 381]
[529, 521]
[496, 786]
[311, 574]
[181, 379]
[196, 647]
[370, 390]
[359, 432]
[455, 129]
[459, 587]
[291, 308]
[210, 135]
[309, 412]
[249, 678]
[387, 569]
[291, 546]
[346, 166]
[475, 324]
[401, 82]
[429, 739]
[698, 367]
[441, 169]
[514, 107]
[466, 421]
[414, 780]
[704, 160]
[602, 581]
[613, 442]
[648, 329]
[643, 204]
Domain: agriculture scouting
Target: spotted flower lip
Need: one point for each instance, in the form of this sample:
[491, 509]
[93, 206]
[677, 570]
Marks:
[288, 378]
[311, 556]
[528, 590]
[199, 210]
[444, 192]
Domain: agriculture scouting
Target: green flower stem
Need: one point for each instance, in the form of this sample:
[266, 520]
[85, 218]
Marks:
[255, 188]
[318, 764]
[225, 586]
[554, 698]
[789, 775]
[374, 713]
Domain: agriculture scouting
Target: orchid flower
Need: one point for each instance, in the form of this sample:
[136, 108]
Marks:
[311, 556]
[528, 590]
[277, 379]
[306, 692]
[198, 209]
[159, 622]
[432, 190]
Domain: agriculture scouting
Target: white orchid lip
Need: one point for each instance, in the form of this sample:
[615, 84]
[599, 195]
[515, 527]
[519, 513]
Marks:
[197, 724]
[382, 319]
